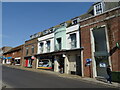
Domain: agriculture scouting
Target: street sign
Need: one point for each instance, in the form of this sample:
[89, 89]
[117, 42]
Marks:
[102, 65]
[88, 60]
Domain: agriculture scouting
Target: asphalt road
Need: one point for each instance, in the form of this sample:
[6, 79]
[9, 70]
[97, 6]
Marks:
[17, 78]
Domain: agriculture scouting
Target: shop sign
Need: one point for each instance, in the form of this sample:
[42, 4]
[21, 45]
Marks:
[88, 60]
[32, 57]
[117, 45]
[102, 65]
[9, 57]
[18, 58]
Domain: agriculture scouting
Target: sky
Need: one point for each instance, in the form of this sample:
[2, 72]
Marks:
[22, 19]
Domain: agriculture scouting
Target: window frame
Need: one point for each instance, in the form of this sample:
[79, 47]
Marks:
[98, 8]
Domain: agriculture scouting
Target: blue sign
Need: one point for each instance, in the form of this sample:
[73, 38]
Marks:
[88, 60]
[9, 57]
[5, 58]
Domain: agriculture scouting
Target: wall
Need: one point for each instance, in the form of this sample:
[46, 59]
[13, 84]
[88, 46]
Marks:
[111, 20]
[61, 33]
[44, 39]
[71, 30]
[29, 44]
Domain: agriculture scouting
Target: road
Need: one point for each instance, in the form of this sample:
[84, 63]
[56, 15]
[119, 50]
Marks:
[17, 78]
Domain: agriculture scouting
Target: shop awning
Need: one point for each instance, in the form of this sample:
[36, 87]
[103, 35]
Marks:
[9, 57]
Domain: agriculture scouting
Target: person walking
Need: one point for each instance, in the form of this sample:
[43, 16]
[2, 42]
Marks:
[109, 79]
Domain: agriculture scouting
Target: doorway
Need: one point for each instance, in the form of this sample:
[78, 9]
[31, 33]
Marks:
[78, 65]
[100, 51]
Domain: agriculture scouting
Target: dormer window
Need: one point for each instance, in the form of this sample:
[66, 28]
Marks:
[63, 24]
[98, 8]
[74, 22]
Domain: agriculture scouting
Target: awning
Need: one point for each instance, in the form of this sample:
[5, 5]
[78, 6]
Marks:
[9, 57]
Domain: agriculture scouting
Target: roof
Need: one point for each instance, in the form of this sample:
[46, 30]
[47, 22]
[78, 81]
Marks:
[14, 49]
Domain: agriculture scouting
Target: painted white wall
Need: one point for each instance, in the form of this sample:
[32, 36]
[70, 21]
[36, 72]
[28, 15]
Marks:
[44, 39]
[56, 64]
[71, 30]
[66, 64]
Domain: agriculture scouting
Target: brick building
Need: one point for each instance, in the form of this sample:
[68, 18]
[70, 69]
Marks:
[14, 55]
[30, 49]
[3, 50]
[99, 35]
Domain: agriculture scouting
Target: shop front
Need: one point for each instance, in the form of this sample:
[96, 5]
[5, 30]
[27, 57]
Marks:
[45, 62]
[17, 60]
[28, 62]
[8, 60]
[100, 52]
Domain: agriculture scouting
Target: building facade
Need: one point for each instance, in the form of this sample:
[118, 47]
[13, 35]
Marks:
[99, 35]
[45, 59]
[29, 50]
[14, 56]
[84, 45]
[3, 50]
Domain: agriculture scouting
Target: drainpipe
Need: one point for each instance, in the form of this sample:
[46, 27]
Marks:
[81, 52]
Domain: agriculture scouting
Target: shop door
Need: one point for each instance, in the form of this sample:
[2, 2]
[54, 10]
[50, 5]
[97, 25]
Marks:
[78, 65]
[29, 63]
[61, 62]
[100, 51]
[26, 63]
[101, 64]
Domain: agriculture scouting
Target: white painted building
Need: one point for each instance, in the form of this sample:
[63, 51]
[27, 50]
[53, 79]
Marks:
[72, 61]
[72, 37]
[46, 43]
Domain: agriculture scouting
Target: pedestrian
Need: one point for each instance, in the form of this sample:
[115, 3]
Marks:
[109, 79]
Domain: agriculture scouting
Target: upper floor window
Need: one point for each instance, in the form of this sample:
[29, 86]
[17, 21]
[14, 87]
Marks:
[73, 40]
[41, 47]
[27, 51]
[58, 45]
[98, 8]
[48, 46]
[74, 22]
[32, 49]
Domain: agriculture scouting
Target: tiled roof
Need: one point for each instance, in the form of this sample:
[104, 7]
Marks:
[14, 49]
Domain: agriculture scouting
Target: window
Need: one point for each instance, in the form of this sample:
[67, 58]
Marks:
[74, 21]
[41, 47]
[32, 49]
[98, 8]
[48, 46]
[73, 40]
[27, 51]
[45, 64]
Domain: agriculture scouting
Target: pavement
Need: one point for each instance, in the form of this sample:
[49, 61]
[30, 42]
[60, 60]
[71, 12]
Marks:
[75, 77]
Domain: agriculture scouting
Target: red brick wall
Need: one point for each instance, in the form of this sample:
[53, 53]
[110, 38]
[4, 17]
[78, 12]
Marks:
[29, 44]
[17, 53]
[113, 31]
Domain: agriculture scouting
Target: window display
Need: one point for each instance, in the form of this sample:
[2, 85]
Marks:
[45, 64]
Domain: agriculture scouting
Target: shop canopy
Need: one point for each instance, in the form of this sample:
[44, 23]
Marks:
[7, 57]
